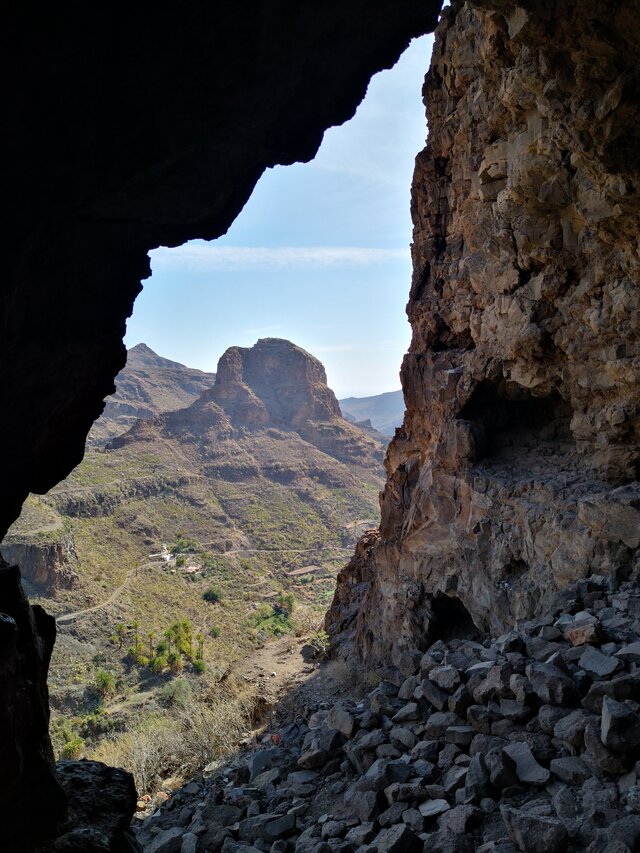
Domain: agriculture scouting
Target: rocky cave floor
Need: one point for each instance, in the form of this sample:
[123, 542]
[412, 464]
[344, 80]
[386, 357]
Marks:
[528, 742]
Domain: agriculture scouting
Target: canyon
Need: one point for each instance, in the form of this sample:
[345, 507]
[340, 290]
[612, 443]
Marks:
[515, 472]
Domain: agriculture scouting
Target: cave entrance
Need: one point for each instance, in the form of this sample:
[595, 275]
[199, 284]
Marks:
[505, 415]
[450, 620]
[179, 558]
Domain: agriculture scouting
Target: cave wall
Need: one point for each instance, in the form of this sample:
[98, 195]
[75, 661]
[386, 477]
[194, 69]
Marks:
[130, 126]
[516, 469]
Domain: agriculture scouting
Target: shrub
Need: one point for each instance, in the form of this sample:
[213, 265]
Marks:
[73, 748]
[214, 632]
[104, 683]
[177, 693]
[320, 642]
[158, 663]
[213, 595]
[175, 662]
[180, 744]
[181, 561]
[199, 666]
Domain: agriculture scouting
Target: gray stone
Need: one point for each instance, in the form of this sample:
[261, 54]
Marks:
[438, 723]
[460, 735]
[598, 664]
[392, 815]
[408, 687]
[533, 834]
[454, 778]
[261, 761]
[598, 754]
[167, 841]
[361, 834]
[398, 839]
[383, 772]
[432, 808]
[573, 771]
[571, 727]
[477, 783]
[552, 686]
[528, 770]
[341, 721]
[549, 715]
[630, 652]
[189, 843]
[268, 827]
[460, 819]
[402, 737]
[446, 677]
[620, 727]
[406, 713]
[432, 694]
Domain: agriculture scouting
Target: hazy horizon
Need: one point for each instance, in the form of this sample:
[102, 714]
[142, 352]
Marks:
[319, 255]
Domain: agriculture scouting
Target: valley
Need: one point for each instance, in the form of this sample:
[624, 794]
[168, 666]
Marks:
[188, 542]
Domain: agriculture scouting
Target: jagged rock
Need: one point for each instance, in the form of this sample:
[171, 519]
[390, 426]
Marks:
[620, 726]
[534, 834]
[398, 839]
[573, 771]
[528, 771]
[552, 686]
[596, 664]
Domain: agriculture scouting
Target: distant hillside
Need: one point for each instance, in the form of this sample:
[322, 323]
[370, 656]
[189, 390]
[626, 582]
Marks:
[147, 386]
[210, 514]
[385, 411]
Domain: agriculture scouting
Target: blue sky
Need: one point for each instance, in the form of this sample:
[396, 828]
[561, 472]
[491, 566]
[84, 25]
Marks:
[319, 255]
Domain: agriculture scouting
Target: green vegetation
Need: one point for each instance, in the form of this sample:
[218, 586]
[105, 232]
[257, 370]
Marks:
[272, 619]
[320, 642]
[184, 545]
[104, 683]
[73, 747]
[213, 595]
[177, 692]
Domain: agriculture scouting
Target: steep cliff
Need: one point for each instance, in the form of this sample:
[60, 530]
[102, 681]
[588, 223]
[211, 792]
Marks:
[516, 468]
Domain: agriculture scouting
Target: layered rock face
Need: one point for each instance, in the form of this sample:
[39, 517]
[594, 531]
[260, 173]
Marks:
[516, 468]
[49, 566]
[274, 382]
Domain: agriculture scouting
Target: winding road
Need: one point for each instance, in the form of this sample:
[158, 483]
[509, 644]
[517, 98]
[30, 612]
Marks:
[65, 618]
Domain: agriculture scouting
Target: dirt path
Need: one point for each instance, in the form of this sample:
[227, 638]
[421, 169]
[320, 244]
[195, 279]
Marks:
[65, 618]
[290, 680]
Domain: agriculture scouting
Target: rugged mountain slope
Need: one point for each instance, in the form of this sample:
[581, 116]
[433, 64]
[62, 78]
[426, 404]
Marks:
[516, 469]
[258, 486]
[385, 411]
[146, 386]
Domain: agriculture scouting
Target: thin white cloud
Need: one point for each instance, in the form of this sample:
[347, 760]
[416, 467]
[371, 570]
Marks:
[202, 257]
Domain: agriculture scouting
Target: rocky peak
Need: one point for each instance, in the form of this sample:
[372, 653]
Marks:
[273, 383]
[142, 356]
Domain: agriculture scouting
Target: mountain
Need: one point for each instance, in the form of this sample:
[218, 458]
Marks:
[210, 513]
[147, 386]
[385, 411]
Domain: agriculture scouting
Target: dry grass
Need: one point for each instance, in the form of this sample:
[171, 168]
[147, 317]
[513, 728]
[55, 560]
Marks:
[181, 744]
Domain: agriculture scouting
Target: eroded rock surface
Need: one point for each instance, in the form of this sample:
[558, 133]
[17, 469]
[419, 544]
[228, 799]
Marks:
[48, 566]
[516, 469]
